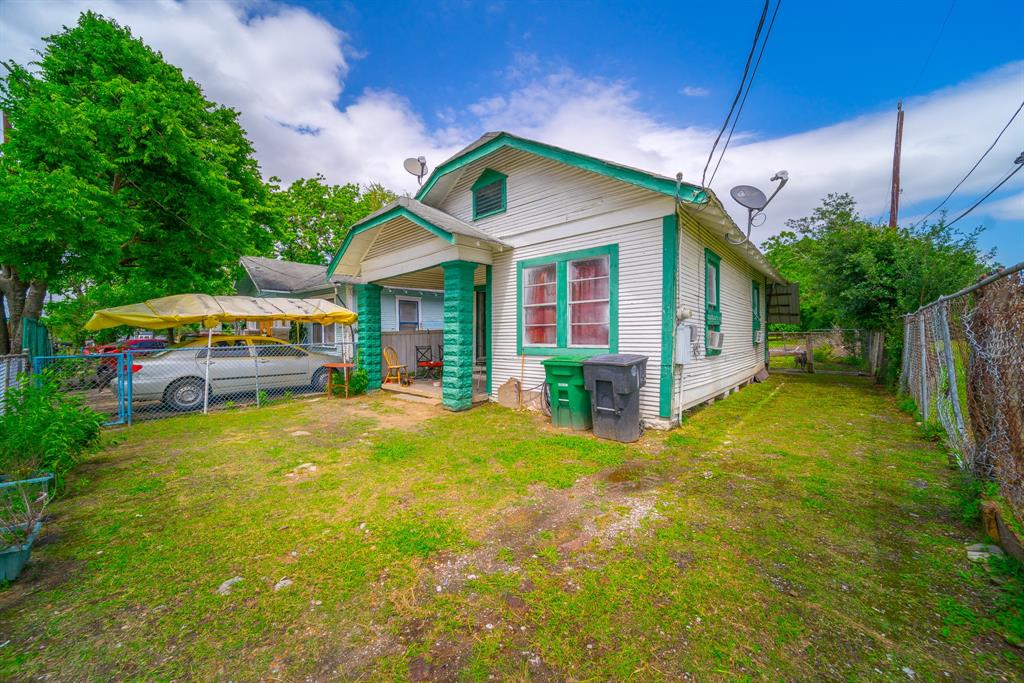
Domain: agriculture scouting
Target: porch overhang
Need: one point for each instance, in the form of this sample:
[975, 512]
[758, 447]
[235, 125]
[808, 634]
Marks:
[406, 237]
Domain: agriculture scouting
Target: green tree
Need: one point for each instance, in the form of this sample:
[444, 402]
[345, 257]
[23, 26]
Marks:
[315, 216]
[119, 175]
[859, 274]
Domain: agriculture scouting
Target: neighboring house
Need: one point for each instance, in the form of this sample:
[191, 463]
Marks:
[401, 308]
[541, 251]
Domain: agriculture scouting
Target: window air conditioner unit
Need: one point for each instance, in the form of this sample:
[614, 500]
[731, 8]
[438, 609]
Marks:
[715, 340]
[759, 337]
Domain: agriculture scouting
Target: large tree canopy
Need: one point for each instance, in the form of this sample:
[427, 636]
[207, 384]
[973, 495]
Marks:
[315, 216]
[118, 173]
[858, 274]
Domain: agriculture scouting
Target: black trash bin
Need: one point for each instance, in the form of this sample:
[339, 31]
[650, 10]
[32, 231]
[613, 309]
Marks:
[614, 382]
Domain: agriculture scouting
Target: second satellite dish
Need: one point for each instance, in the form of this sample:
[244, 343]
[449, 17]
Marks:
[749, 197]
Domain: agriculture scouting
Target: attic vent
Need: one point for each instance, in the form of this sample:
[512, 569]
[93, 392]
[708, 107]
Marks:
[488, 194]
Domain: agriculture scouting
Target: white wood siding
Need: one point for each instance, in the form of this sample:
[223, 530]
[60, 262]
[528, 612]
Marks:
[708, 376]
[541, 193]
[639, 301]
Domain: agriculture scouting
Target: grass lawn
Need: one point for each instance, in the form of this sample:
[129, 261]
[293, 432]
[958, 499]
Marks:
[801, 529]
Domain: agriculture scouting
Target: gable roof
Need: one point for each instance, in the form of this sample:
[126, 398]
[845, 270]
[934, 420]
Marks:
[490, 142]
[432, 220]
[694, 203]
[275, 275]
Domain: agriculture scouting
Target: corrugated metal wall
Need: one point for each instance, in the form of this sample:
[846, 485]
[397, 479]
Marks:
[541, 193]
[708, 376]
[552, 209]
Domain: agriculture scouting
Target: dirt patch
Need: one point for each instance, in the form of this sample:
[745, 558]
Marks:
[386, 411]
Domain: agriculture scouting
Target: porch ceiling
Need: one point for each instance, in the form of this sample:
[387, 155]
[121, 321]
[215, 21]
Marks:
[407, 237]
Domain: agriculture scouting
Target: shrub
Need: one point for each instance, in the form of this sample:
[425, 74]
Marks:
[358, 382]
[44, 429]
[822, 353]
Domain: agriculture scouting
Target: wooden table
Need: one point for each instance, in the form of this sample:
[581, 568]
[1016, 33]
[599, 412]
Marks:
[331, 367]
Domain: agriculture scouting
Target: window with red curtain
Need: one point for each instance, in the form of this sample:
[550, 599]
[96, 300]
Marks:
[589, 299]
[540, 305]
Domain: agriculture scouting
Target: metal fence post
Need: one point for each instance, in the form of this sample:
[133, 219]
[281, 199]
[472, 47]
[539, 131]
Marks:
[255, 362]
[905, 359]
[922, 339]
[947, 347]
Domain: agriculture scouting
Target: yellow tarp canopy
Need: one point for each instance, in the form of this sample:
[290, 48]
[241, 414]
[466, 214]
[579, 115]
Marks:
[184, 309]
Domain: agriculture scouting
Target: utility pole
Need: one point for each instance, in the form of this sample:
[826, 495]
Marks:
[894, 207]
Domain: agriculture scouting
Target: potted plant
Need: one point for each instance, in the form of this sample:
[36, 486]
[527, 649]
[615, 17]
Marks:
[22, 502]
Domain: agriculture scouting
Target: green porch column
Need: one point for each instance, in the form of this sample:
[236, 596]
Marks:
[457, 384]
[368, 308]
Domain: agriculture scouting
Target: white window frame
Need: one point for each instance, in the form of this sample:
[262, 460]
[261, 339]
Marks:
[554, 303]
[570, 303]
[398, 310]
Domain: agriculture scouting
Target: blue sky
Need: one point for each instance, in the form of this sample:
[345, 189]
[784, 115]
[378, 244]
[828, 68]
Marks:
[645, 84]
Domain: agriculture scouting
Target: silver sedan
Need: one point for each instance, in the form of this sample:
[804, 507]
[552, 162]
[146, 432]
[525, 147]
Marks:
[236, 364]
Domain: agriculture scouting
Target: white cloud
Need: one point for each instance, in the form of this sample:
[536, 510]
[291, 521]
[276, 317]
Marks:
[944, 134]
[281, 67]
[695, 91]
[1010, 209]
[284, 69]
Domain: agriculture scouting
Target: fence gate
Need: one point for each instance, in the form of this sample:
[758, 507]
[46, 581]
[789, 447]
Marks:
[101, 381]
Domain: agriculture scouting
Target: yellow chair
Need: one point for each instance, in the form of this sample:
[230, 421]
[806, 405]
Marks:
[395, 368]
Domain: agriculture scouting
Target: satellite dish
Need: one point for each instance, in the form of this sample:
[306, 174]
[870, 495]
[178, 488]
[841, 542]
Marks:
[755, 201]
[416, 166]
[749, 197]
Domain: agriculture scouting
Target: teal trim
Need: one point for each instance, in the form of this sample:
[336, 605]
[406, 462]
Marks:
[488, 298]
[765, 313]
[397, 212]
[489, 177]
[457, 379]
[669, 273]
[712, 312]
[368, 308]
[755, 305]
[666, 186]
[561, 262]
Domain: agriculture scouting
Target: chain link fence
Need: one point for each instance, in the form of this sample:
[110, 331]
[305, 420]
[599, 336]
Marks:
[235, 371]
[10, 367]
[963, 363]
[841, 351]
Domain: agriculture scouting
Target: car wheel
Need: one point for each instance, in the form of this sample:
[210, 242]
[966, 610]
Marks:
[319, 381]
[185, 394]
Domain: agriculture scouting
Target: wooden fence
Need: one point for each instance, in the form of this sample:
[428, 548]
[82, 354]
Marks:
[405, 342]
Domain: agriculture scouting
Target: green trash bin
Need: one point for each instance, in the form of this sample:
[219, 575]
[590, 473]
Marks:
[570, 400]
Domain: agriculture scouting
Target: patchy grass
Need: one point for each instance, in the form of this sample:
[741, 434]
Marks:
[803, 528]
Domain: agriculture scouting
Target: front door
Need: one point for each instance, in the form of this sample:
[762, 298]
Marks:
[480, 331]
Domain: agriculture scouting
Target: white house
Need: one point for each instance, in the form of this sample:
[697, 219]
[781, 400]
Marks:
[541, 251]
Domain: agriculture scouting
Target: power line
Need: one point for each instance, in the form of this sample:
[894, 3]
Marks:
[1020, 164]
[746, 92]
[739, 91]
[976, 164]
[935, 43]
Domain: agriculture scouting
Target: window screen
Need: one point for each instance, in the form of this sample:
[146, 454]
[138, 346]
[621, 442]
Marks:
[540, 305]
[408, 314]
[589, 299]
